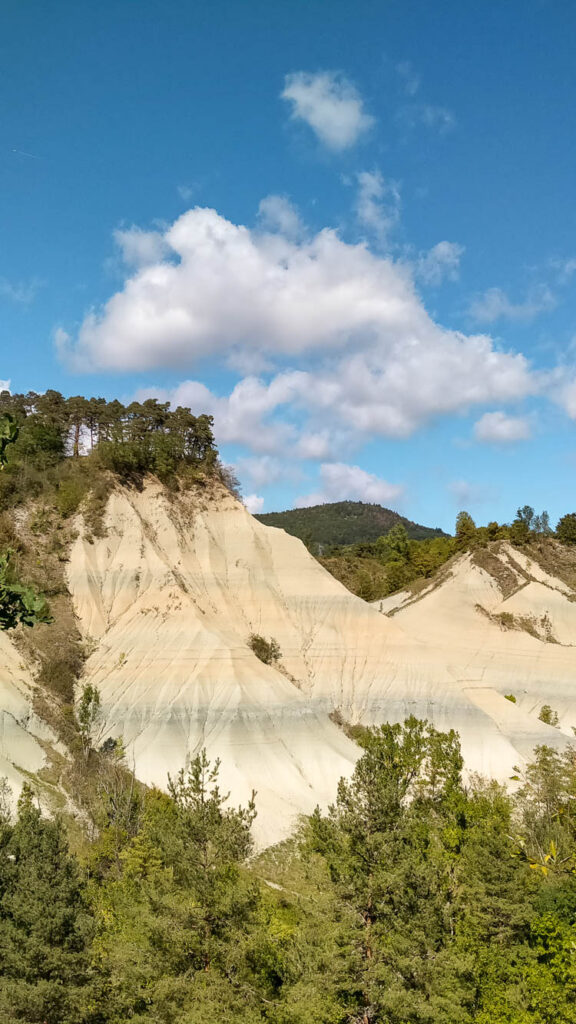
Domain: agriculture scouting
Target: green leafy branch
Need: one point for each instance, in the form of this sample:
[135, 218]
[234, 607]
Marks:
[9, 432]
[18, 603]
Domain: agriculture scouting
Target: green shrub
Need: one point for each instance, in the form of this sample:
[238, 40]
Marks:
[548, 716]
[267, 651]
[70, 495]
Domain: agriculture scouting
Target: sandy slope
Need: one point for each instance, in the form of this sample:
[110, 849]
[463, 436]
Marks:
[20, 750]
[170, 596]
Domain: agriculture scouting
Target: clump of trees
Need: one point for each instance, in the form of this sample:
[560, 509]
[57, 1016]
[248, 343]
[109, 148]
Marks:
[525, 527]
[18, 603]
[374, 569]
[44, 431]
[566, 529]
[416, 898]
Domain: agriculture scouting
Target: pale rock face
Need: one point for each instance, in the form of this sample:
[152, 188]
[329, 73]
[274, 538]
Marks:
[20, 751]
[170, 595]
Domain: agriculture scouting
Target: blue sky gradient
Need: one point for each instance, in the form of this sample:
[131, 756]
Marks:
[118, 118]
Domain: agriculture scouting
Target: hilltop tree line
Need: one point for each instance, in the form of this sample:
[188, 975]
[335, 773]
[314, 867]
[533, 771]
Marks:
[415, 899]
[138, 438]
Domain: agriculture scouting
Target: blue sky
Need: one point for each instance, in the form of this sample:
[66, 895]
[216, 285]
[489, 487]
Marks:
[346, 230]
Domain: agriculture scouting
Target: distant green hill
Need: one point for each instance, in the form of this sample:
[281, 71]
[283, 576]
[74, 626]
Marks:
[344, 522]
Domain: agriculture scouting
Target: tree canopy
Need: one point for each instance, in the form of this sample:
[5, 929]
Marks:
[141, 437]
[416, 898]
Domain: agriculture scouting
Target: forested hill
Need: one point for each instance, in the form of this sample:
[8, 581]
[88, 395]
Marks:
[344, 522]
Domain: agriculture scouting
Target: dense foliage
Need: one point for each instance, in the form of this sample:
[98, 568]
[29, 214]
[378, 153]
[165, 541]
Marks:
[51, 433]
[373, 570]
[343, 523]
[18, 603]
[415, 899]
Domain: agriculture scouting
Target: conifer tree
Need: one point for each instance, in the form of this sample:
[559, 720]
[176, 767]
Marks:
[465, 530]
[45, 924]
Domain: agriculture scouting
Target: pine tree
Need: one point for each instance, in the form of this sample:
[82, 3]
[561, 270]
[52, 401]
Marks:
[566, 529]
[465, 530]
[45, 924]
[213, 841]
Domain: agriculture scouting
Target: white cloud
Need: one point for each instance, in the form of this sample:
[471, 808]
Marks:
[494, 305]
[232, 289]
[277, 213]
[563, 392]
[261, 471]
[498, 428]
[440, 263]
[5, 385]
[227, 286]
[330, 104]
[320, 445]
[369, 359]
[341, 482]
[140, 248]
[377, 204]
[254, 503]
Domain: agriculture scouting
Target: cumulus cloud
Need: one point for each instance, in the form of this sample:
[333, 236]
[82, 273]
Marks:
[278, 214]
[498, 428]
[341, 482]
[367, 358]
[254, 503]
[377, 204]
[261, 471]
[5, 385]
[140, 248]
[563, 392]
[227, 288]
[319, 445]
[494, 304]
[440, 263]
[330, 104]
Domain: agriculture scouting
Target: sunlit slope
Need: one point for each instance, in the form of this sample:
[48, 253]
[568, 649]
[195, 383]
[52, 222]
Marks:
[20, 750]
[504, 626]
[169, 598]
